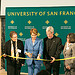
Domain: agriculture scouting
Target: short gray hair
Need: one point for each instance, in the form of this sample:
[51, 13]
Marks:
[50, 29]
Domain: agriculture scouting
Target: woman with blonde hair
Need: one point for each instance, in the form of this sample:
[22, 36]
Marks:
[33, 49]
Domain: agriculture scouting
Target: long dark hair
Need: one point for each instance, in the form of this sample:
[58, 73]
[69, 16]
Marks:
[71, 37]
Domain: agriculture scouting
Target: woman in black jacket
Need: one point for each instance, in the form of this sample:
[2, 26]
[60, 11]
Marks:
[14, 48]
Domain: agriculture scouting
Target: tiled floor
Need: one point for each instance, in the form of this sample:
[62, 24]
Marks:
[3, 72]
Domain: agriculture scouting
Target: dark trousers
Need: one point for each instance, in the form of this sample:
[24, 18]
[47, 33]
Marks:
[13, 69]
[55, 66]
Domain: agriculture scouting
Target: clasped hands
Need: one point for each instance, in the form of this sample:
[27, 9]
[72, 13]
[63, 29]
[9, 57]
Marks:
[53, 59]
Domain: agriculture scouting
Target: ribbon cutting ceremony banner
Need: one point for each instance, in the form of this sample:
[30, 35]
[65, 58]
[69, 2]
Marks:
[22, 19]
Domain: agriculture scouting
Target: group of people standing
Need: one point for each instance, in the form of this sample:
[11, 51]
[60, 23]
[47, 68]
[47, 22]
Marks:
[34, 49]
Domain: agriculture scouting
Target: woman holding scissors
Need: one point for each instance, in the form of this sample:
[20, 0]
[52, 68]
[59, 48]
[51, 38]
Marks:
[33, 49]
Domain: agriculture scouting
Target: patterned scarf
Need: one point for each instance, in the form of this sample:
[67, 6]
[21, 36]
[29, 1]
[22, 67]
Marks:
[12, 49]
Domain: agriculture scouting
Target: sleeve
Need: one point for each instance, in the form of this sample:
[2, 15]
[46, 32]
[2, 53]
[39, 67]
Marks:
[59, 48]
[6, 50]
[44, 50]
[72, 65]
[23, 60]
[25, 47]
[41, 48]
[64, 49]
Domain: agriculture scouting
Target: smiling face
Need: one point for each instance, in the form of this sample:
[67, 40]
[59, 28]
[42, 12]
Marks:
[49, 34]
[14, 37]
[33, 36]
[33, 33]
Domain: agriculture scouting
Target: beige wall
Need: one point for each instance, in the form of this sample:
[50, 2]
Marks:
[34, 3]
[0, 42]
[0, 6]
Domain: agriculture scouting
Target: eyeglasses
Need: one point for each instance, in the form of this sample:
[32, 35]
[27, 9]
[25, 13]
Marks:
[14, 37]
[33, 35]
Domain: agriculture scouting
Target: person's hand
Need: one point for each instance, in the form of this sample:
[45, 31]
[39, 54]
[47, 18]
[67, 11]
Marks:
[38, 57]
[22, 64]
[68, 67]
[29, 54]
[53, 59]
[4, 55]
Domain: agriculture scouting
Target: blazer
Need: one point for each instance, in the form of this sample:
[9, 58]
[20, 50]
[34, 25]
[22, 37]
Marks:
[55, 49]
[8, 52]
[36, 49]
[69, 53]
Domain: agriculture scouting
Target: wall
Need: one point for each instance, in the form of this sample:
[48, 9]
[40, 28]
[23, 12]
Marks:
[0, 42]
[34, 3]
[0, 6]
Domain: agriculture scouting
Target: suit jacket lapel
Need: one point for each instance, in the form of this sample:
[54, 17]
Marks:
[65, 46]
[31, 42]
[70, 46]
[35, 42]
[52, 44]
[47, 44]
[9, 50]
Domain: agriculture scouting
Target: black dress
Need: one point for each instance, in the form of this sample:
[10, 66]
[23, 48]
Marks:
[13, 66]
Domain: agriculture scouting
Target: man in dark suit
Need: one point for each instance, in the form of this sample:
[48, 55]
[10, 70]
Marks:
[14, 48]
[52, 50]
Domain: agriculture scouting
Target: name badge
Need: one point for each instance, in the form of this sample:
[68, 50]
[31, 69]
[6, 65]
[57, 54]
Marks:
[19, 51]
